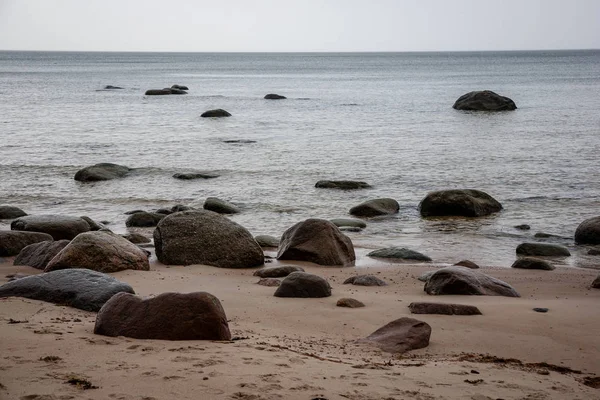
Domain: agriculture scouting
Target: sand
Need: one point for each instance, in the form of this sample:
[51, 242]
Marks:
[305, 348]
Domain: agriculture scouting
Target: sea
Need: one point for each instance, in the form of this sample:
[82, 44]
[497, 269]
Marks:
[383, 118]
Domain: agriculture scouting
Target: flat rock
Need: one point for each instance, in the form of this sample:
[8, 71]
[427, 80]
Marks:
[465, 281]
[542, 249]
[458, 202]
[349, 303]
[11, 212]
[365, 280]
[532, 263]
[267, 241]
[269, 282]
[101, 172]
[164, 92]
[399, 253]
[168, 316]
[143, 219]
[38, 255]
[194, 175]
[220, 206]
[58, 226]
[277, 272]
[400, 336]
[484, 100]
[376, 207]
[273, 96]
[467, 263]
[442, 308]
[342, 185]
[348, 222]
[12, 242]
[218, 113]
[302, 284]
[79, 288]
[588, 232]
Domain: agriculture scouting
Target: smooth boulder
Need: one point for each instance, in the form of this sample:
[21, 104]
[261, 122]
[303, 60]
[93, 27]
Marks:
[484, 100]
[220, 206]
[277, 272]
[588, 232]
[11, 212]
[168, 316]
[38, 255]
[317, 241]
[218, 113]
[101, 172]
[466, 281]
[100, 251]
[273, 96]
[12, 242]
[365, 280]
[400, 336]
[458, 202]
[443, 309]
[143, 219]
[532, 263]
[399, 253]
[267, 241]
[205, 237]
[79, 288]
[304, 285]
[342, 185]
[542, 249]
[136, 238]
[376, 207]
[58, 226]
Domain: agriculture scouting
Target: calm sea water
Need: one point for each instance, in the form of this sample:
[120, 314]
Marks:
[382, 118]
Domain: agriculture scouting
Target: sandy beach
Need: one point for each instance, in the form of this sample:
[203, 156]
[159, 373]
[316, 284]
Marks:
[287, 348]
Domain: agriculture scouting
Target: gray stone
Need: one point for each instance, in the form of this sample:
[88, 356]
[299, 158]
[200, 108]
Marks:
[343, 185]
[58, 226]
[532, 263]
[101, 172]
[484, 100]
[143, 219]
[218, 113]
[349, 303]
[588, 232]
[465, 281]
[12, 242]
[273, 96]
[38, 255]
[399, 253]
[11, 212]
[365, 280]
[267, 241]
[400, 336]
[376, 207]
[348, 222]
[220, 206]
[542, 249]
[458, 202]
[301, 284]
[277, 272]
[443, 309]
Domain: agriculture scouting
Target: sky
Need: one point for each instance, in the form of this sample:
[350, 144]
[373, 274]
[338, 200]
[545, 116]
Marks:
[304, 25]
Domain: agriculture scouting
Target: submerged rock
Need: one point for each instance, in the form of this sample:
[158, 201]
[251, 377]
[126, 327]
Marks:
[365, 280]
[220, 206]
[588, 232]
[442, 308]
[58, 226]
[11, 212]
[523, 227]
[542, 249]
[465, 281]
[458, 202]
[38, 255]
[301, 284]
[277, 272]
[343, 185]
[485, 100]
[164, 91]
[399, 253]
[218, 113]
[111, 87]
[12, 242]
[400, 336]
[101, 172]
[273, 96]
[376, 207]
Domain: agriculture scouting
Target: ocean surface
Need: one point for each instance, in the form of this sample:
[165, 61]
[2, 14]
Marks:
[384, 118]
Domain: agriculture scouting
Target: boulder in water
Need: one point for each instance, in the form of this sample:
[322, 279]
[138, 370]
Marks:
[484, 100]
[220, 206]
[58, 226]
[111, 87]
[12, 242]
[400, 336]
[588, 232]
[273, 96]
[38, 255]
[267, 241]
[101, 172]
[542, 249]
[302, 284]
[218, 113]
[376, 207]
[458, 202]
[187, 176]
[180, 87]
[343, 185]
[11, 212]
[465, 281]
[348, 223]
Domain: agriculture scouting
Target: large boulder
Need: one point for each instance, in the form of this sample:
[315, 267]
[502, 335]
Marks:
[302, 284]
[461, 280]
[220, 206]
[365, 280]
[484, 100]
[400, 336]
[343, 185]
[38, 255]
[458, 202]
[318, 241]
[443, 309]
[11, 212]
[100, 251]
[588, 232]
[79, 288]
[376, 207]
[101, 172]
[277, 272]
[218, 113]
[143, 219]
[273, 96]
[399, 253]
[205, 237]
[12, 242]
[532, 263]
[542, 249]
[58, 226]
[168, 316]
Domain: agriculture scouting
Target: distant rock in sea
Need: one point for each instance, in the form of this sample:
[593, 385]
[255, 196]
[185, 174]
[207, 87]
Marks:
[163, 92]
[111, 87]
[343, 185]
[101, 172]
[485, 100]
[11, 212]
[273, 96]
[376, 207]
[180, 87]
[218, 113]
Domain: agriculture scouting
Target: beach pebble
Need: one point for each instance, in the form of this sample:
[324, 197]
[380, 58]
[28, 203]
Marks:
[542, 249]
[376, 207]
[101, 172]
[399, 253]
[273, 96]
[443, 308]
[532, 263]
[343, 185]
[58, 226]
[400, 336]
[38, 255]
[349, 302]
[465, 281]
[588, 232]
[220, 206]
[302, 284]
[12, 242]
[468, 264]
[277, 272]
[458, 202]
[267, 241]
[269, 282]
[484, 100]
[218, 113]
[11, 212]
[365, 280]
[143, 219]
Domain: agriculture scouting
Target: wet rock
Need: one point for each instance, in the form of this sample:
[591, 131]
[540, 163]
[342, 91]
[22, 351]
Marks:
[220, 206]
[376, 207]
[218, 113]
[58, 226]
[180, 87]
[269, 282]
[133, 212]
[79, 288]
[267, 241]
[205, 237]
[164, 211]
[277, 272]
[12, 242]
[532, 263]
[168, 316]
[542, 249]
[94, 226]
[348, 222]
[164, 92]
[38, 255]
[186, 176]
[350, 229]
[11, 212]
[596, 283]
[468, 264]
[273, 96]
[136, 238]
[458, 202]
[540, 309]
[143, 219]
[399, 253]
[365, 280]
[100, 251]
[101, 172]
[301, 284]
[111, 87]
[588, 232]
[442, 308]
[343, 185]
[594, 252]
[181, 207]
[349, 302]
[318, 241]
[15, 276]
[465, 281]
[484, 100]
[523, 227]
[400, 336]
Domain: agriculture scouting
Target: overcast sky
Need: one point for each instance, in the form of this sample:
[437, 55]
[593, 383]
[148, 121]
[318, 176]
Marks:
[303, 25]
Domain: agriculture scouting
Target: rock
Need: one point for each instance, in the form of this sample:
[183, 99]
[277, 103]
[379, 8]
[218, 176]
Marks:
[350, 229]
[532, 263]
[101, 172]
[186, 176]
[79, 288]
[267, 241]
[348, 222]
[94, 226]
[168, 316]
[523, 227]
[220, 206]
[180, 87]
[157, 92]
[38, 255]
[181, 207]
[485, 100]
[269, 282]
[12, 242]
[400, 336]
[376, 207]
[594, 252]
[11, 212]
[143, 219]
[302, 284]
[205, 237]
[540, 309]
[273, 96]
[218, 113]
[100, 251]
[343, 185]
[350, 303]
[588, 232]
[239, 141]
[544, 235]
[458, 202]
[365, 280]
[136, 238]
[399, 253]
[277, 272]
[465, 281]
[444, 309]
[318, 241]
[542, 249]
[164, 211]
[596, 283]
[58, 226]
[425, 276]
[467, 263]
[111, 87]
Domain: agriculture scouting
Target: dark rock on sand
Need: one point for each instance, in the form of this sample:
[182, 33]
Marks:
[318, 241]
[400, 336]
[136, 238]
[267, 241]
[376, 207]
[101, 172]
[269, 282]
[100, 251]
[467, 263]
[58, 226]
[350, 303]
[180, 87]
[596, 283]
[218, 113]
[186, 176]
[542, 249]
[444, 309]
[38, 255]
[343, 185]
[277, 272]
[484, 100]
[205, 237]
[273, 96]
[11, 212]
[588, 232]
[465, 281]
[540, 309]
[458, 202]
[523, 227]
[143, 219]
[348, 222]
[532, 263]
[79, 288]
[399, 253]
[12, 242]
[301, 284]
[168, 316]
[365, 280]
[220, 206]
